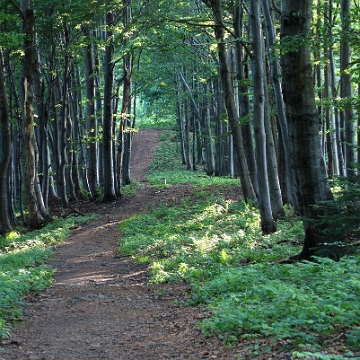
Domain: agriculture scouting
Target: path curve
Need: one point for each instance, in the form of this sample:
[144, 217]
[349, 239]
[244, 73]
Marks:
[101, 305]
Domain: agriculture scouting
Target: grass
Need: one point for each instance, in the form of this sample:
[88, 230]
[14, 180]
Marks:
[22, 268]
[167, 165]
[216, 246]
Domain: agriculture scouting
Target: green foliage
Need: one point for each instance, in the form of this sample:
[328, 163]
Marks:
[216, 246]
[304, 302]
[22, 268]
[167, 164]
[340, 217]
[131, 188]
[321, 356]
[195, 240]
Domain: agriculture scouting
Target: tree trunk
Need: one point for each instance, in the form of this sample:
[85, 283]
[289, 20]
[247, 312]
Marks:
[179, 117]
[124, 152]
[299, 96]
[209, 152]
[5, 226]
[275, 70]
[91, 115]
[268, 224]
[35, 218]
[109, 181]
[242, 73]
[227, 87]
[346, 90]
[334, 95]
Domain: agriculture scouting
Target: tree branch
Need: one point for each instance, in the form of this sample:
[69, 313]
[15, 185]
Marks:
[275, 7]
[18, 9]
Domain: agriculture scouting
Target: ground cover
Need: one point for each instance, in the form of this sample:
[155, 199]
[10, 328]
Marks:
[192, 278]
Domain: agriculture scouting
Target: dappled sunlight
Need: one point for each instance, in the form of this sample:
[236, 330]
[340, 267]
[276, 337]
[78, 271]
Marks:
[96, 277]
[99, 276]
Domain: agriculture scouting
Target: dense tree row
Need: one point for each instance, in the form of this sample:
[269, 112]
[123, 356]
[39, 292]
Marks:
[257, 89]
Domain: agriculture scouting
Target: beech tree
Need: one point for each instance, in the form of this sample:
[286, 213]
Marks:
[108, 129]
[227, 88]
[346, 89]
[29, 61]
[5, 226]
[268, 224]
[311, 180]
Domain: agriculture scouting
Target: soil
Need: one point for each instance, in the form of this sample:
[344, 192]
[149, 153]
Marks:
[101, 305]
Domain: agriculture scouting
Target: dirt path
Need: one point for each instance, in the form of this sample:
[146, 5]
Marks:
[101, 305]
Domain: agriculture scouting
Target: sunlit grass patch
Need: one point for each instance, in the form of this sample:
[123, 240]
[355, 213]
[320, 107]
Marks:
[168, 165]
[197, 240]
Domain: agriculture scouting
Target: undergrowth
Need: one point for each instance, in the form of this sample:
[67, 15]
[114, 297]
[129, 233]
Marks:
[22, 268]
[167, 165]
[216, 246]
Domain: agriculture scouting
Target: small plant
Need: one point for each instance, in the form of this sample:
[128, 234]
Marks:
[339, 219]
[131, 188]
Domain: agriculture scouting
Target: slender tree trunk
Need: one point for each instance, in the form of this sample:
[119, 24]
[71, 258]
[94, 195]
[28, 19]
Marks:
[5, 226]
[272, 166]
[91, 115]
[124, 152]
[243, 93]
[209, 151]
[249, 193]
[109, 180]
[346, 92]
[187, 142]
[334, 95]
[268, 224]
[125, 133]
[179, 116]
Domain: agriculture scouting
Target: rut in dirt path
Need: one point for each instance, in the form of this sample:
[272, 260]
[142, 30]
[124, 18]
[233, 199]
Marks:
[101, 305]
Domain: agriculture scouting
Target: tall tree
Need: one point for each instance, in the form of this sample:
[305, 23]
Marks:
[260, 102]
[29, 60]
[311, 179]
[91, 114]
[5, 152]
[228, 91]
[346, 90]
[108, 132]
[275, 72]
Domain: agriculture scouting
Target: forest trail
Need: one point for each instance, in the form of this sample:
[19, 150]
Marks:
[101, 305]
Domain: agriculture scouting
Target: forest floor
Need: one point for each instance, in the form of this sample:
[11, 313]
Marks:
[102, 306]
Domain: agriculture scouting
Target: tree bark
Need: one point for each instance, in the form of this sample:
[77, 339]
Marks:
[91, 115]
[35, 218]
[311, 179]
[227, 88]
[346, 90]
[268, 224]
[275, 70]
[109, 181]
[5, 226]
[242, 74]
